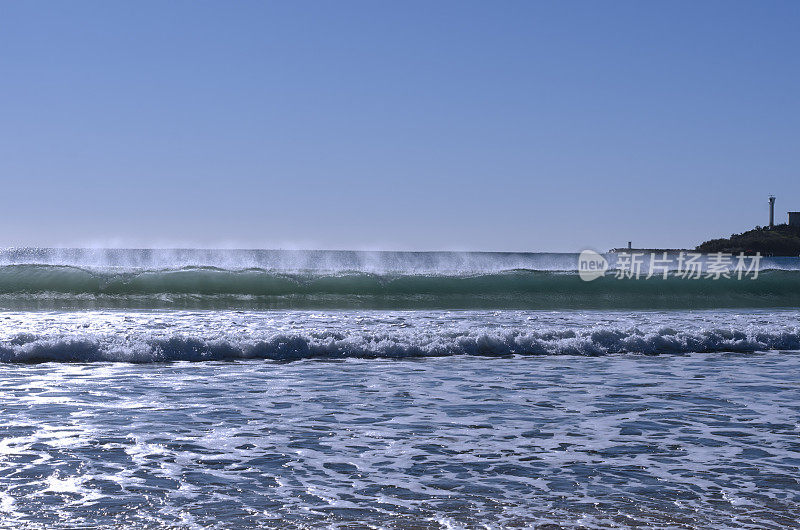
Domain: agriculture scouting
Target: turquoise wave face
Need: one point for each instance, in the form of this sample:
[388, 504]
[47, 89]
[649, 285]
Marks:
[60, 287]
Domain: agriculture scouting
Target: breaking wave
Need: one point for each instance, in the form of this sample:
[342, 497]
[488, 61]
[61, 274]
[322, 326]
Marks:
[274, 279]
[32, 286]
[29, 348]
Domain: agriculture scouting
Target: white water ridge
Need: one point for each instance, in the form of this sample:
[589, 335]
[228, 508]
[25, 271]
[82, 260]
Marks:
[165, 336]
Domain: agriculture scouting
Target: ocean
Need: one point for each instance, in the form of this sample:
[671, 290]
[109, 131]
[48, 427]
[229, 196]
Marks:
[305, 389]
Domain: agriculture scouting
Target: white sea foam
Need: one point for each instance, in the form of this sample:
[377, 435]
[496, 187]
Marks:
[435, 418]
[700, 440]
[143, 337]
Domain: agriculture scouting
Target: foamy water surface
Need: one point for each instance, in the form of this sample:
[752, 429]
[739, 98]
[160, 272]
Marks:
[483, 436]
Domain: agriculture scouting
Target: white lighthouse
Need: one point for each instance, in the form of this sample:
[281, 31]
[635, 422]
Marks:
[771, 212]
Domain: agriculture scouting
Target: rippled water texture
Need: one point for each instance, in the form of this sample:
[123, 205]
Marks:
[697, 440]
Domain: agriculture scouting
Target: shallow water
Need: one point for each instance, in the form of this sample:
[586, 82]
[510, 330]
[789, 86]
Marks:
[682, 440]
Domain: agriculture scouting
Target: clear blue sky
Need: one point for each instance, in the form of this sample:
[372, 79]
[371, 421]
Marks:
[400, 125]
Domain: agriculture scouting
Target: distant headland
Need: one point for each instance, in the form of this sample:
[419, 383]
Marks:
[770, 240]
[780, 240]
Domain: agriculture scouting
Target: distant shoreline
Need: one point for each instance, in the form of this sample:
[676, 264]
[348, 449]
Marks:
[779, 241]
[650, 250]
